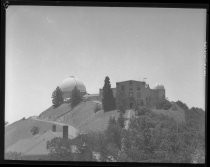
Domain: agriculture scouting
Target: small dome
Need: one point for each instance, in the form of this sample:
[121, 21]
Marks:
[158, 86]
[69, 84]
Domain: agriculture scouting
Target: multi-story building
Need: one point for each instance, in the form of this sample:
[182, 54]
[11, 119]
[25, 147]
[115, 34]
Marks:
[132, 94]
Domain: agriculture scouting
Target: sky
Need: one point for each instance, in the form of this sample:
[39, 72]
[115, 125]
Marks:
[44, 45]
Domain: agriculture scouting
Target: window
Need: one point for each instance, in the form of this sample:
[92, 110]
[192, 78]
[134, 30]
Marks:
[138, 88]
[122, 88]
[130, 82]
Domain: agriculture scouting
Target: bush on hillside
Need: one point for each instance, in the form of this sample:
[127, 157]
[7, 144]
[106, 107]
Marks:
[34, 130]
[164, 104]
[173, 107]
[182, 105]
[151, 137]
[60, 149]
[122, 107]
[142, 111]
[155, 138]
[69, 149]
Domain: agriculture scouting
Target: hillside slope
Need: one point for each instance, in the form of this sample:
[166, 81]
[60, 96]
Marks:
[21, 130]
[85, 118]
[54, 113]
[175, 112]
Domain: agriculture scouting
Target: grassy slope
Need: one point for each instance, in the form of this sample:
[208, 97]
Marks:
[85, 119]
[53, 113]
[82, 117]
[99, 122]
[19, 138]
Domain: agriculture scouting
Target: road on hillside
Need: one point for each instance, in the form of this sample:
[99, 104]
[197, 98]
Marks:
[53, 122]
[127, 117]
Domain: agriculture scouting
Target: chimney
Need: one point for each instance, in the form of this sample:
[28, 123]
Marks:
[65, 132]
[54, 128]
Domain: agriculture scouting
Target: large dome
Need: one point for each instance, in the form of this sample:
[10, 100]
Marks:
[69, 84]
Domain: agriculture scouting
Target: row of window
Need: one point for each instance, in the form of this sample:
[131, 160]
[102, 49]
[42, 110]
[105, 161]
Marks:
[123, 88]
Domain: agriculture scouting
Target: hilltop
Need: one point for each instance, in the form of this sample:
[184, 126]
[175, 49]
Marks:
[86, 117]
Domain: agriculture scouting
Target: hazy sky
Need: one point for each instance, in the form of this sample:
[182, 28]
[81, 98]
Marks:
[44, 45]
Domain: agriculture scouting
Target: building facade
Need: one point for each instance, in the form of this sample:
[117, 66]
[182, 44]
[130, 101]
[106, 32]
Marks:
[132, 94]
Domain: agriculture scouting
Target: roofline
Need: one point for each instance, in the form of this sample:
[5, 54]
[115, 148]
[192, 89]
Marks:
[131, 80]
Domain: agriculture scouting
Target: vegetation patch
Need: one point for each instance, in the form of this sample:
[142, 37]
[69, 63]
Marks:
[164, 104]
[34, 130]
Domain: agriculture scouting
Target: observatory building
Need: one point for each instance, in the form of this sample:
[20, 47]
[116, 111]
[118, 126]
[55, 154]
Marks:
[69, 84]
[132, 94]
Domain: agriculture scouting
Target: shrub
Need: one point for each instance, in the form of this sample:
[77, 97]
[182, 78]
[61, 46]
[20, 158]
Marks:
[122, 108]
[143, 111]
[182, 105]
[34, 130]
[164, 104]
[60, 149]
[173, 107]
[70, 149]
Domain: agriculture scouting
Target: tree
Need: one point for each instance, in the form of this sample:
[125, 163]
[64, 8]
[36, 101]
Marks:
[75, 97]
[164, 104]
[34, 130]
[182, 105]
[70, 149]
[57, 97]
[60, 149]
[108, 99]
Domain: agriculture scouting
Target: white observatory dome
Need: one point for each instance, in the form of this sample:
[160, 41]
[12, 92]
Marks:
[69, 84]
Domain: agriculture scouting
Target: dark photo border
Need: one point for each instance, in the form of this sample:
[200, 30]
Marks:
[6, 3]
